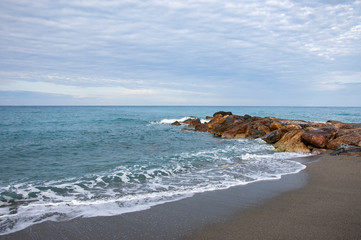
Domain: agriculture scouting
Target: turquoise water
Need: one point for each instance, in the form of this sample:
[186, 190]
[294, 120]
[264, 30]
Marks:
[58, 163]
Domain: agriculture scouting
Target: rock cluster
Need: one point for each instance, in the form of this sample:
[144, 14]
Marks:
[286, 135]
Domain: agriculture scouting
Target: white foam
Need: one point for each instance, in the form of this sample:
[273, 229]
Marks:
[169, 121]
[243, 161]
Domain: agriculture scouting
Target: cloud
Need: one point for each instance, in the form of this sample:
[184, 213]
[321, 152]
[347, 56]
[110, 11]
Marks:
[335, 81]
[181, 46]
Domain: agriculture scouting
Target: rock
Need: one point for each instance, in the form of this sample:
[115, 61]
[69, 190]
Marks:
[286, 134]
[336, 124]
[316, 124]
[259, 132]
[273, 136]
[318, 151]
[192, 122]
[264, 129]
[317, 138]
[291, 142]
[226, 125]
[300, 123]
[347, 149]
[216, 121]
[247, 117]
[290, 127]
[188, 129]
[342, 132]
[240, 131]
[222, 113]
[344, 146]
[201, 128]
[176, 123]
[351, 139]
[275, 126]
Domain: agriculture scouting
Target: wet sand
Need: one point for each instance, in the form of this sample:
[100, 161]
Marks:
[328, 207]
[321, 202]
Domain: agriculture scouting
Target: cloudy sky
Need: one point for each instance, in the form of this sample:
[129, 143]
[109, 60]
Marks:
[180, 52]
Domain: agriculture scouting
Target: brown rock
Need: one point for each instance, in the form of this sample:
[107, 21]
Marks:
[222, 113]
[192, 122]
[273, 136]
[201, 128]
[342, 132]
[264, 129]
[291, 142]
[351, 139]
[336, 124]
[187, 129]
[216, 121]
[317, 125]
[176, 123]
[275, 126]
[290, 127]
[259, 132]
[317, 138]
[318, 151]
[240, 131]
[226, 125]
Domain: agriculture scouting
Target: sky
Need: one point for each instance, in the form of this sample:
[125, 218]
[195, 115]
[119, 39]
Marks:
[180, 52]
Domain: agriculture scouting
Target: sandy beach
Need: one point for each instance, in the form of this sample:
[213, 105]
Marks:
[328, 207]
[321, 202]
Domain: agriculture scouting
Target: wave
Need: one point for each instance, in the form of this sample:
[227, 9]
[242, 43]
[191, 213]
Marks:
[140, 186]
[172, 120]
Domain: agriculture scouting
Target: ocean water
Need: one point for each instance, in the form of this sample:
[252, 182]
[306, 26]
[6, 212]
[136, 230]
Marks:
[58, 163]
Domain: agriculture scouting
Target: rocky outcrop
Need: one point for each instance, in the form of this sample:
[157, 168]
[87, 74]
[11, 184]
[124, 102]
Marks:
[176, 123]
[291, 142]
[192, 122]
[222, 113]
[318, 137]
[285, 134]
[273, 136]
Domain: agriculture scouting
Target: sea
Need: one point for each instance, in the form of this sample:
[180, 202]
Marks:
[60, 163]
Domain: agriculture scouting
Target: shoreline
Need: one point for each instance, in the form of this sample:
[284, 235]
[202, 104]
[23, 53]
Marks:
[171, 220]
[328, 207]
[320, 202]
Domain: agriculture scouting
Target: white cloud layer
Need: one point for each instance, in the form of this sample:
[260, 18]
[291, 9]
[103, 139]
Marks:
[151, 48]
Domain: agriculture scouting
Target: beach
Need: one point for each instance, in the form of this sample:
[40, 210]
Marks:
[328, 207]
[320, 202]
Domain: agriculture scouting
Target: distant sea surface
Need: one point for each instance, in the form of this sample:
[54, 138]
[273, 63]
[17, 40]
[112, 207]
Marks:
[58, 163]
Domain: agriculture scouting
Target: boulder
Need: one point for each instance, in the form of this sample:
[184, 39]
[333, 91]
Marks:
[216, 121]
[318, 151]
[192, 122]
[336, 124]
[259, 132]
[201, 128]
[222, 113]
[187, 129]
[342, 132]
[300, 123]
[317, 138]
[273, 136]
[275, 126]
[291, 142]
[347, 149]
[226, 125]
[176, 123]
[240, 131]
[350, 139]
[290, 127]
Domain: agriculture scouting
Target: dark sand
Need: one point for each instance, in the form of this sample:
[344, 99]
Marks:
[327, 207]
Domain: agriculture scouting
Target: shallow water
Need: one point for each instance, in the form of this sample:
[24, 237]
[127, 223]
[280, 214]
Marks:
[58, 163]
